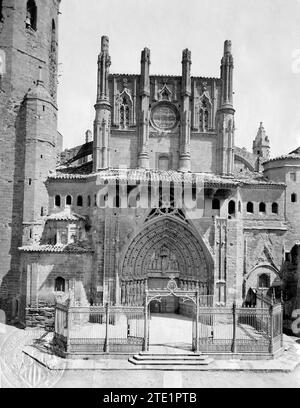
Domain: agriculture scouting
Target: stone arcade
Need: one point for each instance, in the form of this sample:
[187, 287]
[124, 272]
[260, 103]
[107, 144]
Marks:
[159, 190]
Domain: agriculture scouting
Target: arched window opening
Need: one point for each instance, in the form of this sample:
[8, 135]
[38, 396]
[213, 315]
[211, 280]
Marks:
[60, 284]
[89, 201]
[31, 15]
[294, 198]
[294, 254]
[194, 192]
[163, 163]
[124, 114]
[264, 281]
[79, 201]
[216, 204]
[117, 201]
[204, 115]
[69, 200]
[250, 208]
[262, 207]
[57, 201]
[231, 207]
[275, 208]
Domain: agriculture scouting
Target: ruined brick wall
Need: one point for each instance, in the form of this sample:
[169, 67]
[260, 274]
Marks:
[24, 51]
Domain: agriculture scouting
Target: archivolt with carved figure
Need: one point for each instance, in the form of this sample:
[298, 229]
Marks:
[168, 247]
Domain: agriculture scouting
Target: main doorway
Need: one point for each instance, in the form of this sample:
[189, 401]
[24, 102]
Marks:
[170, 330]
[171, 317]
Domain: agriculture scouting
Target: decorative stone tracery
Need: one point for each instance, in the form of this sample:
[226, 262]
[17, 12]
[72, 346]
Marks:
[204, 114]
[185, 252]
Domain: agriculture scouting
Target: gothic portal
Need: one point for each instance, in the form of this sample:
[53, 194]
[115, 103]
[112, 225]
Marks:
[92, 221]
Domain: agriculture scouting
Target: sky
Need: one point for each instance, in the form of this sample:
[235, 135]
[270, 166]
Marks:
[265, 37]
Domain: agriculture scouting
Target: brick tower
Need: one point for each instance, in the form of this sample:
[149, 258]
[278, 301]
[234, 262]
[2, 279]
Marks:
[28, 130]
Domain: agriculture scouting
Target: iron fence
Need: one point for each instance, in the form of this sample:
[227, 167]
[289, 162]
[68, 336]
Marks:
[239, 329]
[99, 329]
[125, 329]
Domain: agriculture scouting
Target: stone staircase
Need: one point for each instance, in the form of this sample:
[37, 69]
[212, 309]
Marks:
[172, 358]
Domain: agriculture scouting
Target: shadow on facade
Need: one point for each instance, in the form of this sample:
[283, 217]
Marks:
[11, 283]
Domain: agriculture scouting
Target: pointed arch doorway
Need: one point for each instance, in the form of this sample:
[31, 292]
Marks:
[165, 246]
[165, 250]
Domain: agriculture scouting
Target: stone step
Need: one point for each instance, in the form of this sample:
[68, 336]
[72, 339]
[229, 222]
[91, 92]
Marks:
[167, 362]
[167, 357]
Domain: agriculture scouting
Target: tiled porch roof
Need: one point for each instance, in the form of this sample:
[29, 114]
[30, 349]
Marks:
[63, 249]
[134, 175]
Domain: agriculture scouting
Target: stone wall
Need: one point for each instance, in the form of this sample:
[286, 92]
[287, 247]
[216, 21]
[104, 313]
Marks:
[25, 50]
[39, 271]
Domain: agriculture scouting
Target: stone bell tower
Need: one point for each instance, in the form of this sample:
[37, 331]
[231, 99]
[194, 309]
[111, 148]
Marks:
[261, 147]
[28, 130]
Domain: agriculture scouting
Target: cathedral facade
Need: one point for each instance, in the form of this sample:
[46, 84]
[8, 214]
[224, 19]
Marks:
[158, 190]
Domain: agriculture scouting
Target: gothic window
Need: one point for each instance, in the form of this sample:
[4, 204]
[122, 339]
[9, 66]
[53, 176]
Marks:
[204, 115]
[42, 212]
[69, 200]
[57, 201]
[262, 207]
[275, 208]
[31, 15]
[264, 281]
[89, 201]
[240, 206]
[231, 207]
[60, 284]
[124, 113]
[250, 208]
[216, 204]
[79, 201]
[294, 198]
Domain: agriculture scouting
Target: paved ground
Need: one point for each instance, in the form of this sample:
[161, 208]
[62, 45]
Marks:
[17, 370]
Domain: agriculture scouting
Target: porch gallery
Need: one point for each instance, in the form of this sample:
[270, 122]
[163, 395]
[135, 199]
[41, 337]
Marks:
[125, 329]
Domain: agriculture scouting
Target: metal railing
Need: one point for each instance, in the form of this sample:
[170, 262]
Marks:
[99, 329]
[108, 329]
[239, 329]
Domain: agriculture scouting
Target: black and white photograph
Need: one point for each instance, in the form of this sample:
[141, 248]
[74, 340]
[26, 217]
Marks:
[149, 197]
